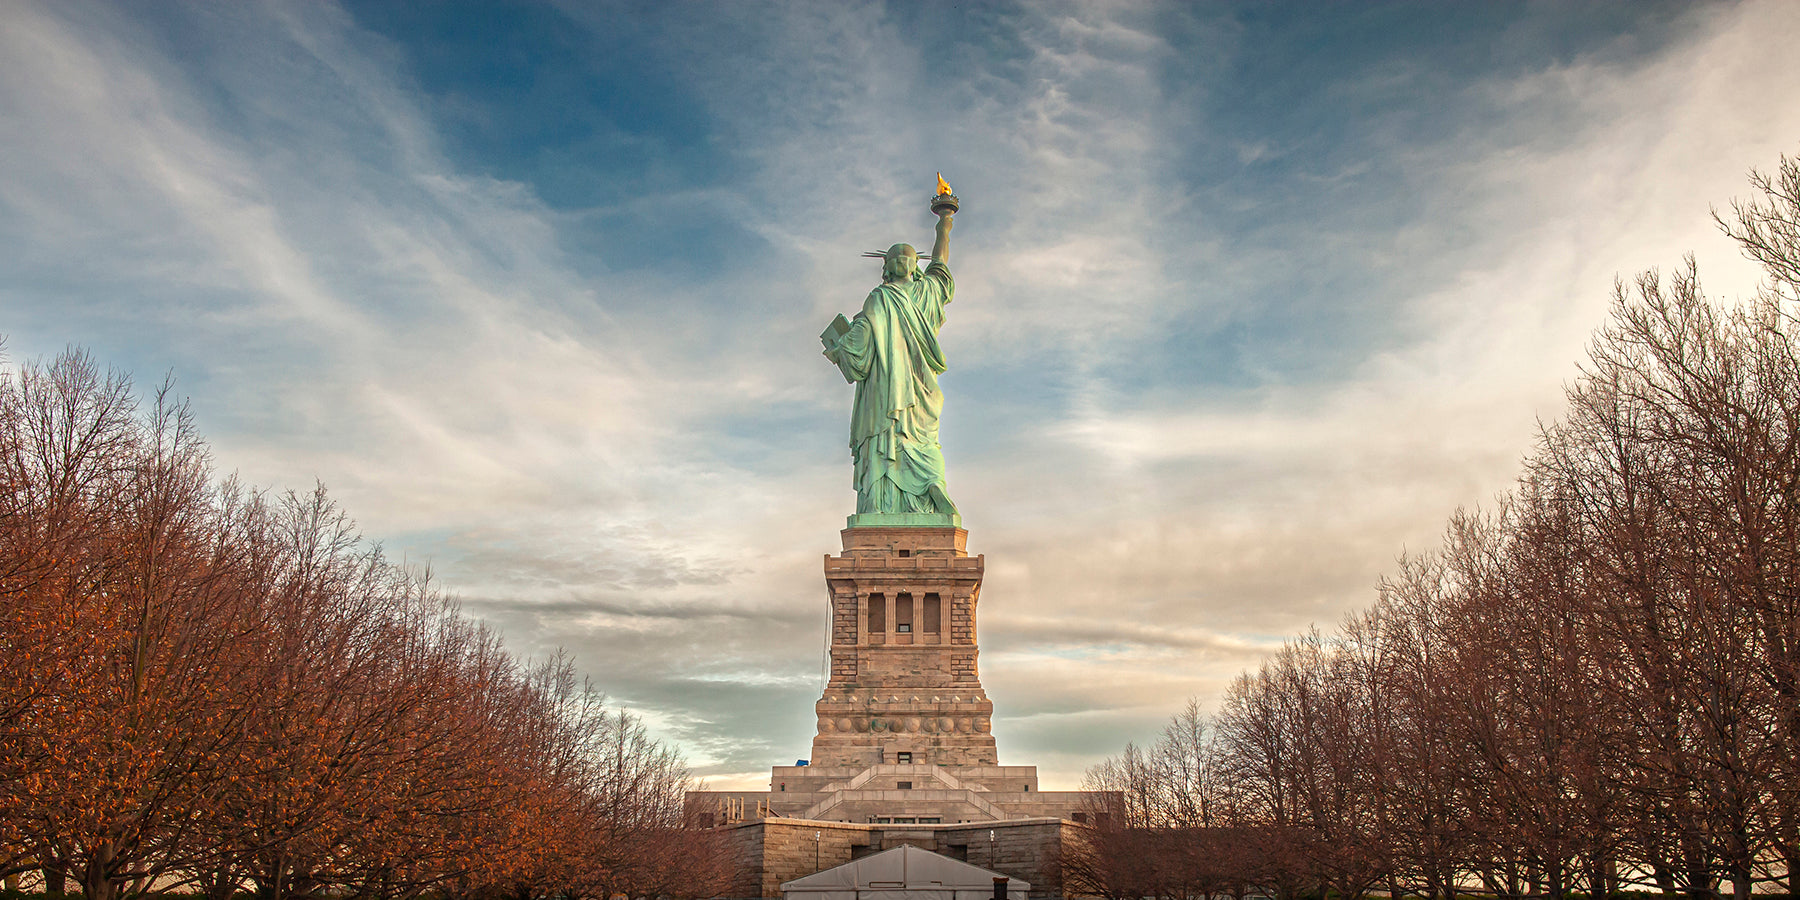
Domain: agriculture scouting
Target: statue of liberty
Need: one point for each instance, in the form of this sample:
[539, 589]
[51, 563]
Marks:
[890, 351]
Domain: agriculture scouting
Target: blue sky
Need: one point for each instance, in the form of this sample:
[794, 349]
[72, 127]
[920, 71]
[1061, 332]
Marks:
[1250, 297]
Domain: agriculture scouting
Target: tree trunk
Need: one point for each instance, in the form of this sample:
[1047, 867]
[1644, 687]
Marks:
[1699, 878]
[1740, 883]
[1599, 877]
[1665, 878]
[218, 885]
[96, 876]
[1793, 869]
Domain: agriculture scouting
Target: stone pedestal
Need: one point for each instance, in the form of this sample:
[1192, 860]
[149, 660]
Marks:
[904, 687]
[904, 726]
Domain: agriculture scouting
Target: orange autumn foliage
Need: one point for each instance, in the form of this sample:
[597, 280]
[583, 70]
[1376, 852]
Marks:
[212, 689]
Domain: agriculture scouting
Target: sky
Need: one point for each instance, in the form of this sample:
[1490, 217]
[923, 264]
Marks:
[1250, 297]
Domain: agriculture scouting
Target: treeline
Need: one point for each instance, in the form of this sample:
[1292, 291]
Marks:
[212, 690]
[1593, 686]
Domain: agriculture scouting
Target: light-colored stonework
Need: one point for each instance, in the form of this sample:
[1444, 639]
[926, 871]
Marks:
[904, 750]
[907, 794]
[903, 654]
[904, 726]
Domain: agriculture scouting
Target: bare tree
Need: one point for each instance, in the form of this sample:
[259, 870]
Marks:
[1599, 678]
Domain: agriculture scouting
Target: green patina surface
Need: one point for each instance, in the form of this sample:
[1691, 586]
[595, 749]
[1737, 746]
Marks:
[904, 520]
[890, 352]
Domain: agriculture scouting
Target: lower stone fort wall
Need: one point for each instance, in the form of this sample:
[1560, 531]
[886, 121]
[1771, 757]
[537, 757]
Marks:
[880, 807]
[772, 851]
[892, 794]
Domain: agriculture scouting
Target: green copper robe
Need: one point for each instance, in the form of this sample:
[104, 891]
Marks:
[891, 352]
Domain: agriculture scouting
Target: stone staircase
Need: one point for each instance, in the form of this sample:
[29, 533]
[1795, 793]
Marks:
[840, 793]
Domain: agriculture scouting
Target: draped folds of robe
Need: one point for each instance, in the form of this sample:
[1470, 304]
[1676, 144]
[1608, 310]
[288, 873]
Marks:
[891, 351]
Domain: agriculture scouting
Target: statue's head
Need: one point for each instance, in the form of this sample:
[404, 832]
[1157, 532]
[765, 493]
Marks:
[900, 263]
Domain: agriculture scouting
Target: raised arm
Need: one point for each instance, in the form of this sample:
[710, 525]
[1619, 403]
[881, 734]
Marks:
[940, 251]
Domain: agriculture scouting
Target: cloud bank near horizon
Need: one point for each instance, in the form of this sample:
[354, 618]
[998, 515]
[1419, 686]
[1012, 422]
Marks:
[1249, 299]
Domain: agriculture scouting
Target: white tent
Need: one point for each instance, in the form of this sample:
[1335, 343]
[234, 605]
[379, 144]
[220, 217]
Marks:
[903, 873]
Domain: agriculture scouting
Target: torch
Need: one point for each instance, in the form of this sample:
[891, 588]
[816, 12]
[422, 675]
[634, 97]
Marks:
[944, 203]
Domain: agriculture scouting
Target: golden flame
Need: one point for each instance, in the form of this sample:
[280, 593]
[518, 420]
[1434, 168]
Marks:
[943, 186]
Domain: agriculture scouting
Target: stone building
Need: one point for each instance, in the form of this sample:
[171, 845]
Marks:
[769, 852]
[904, 751]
